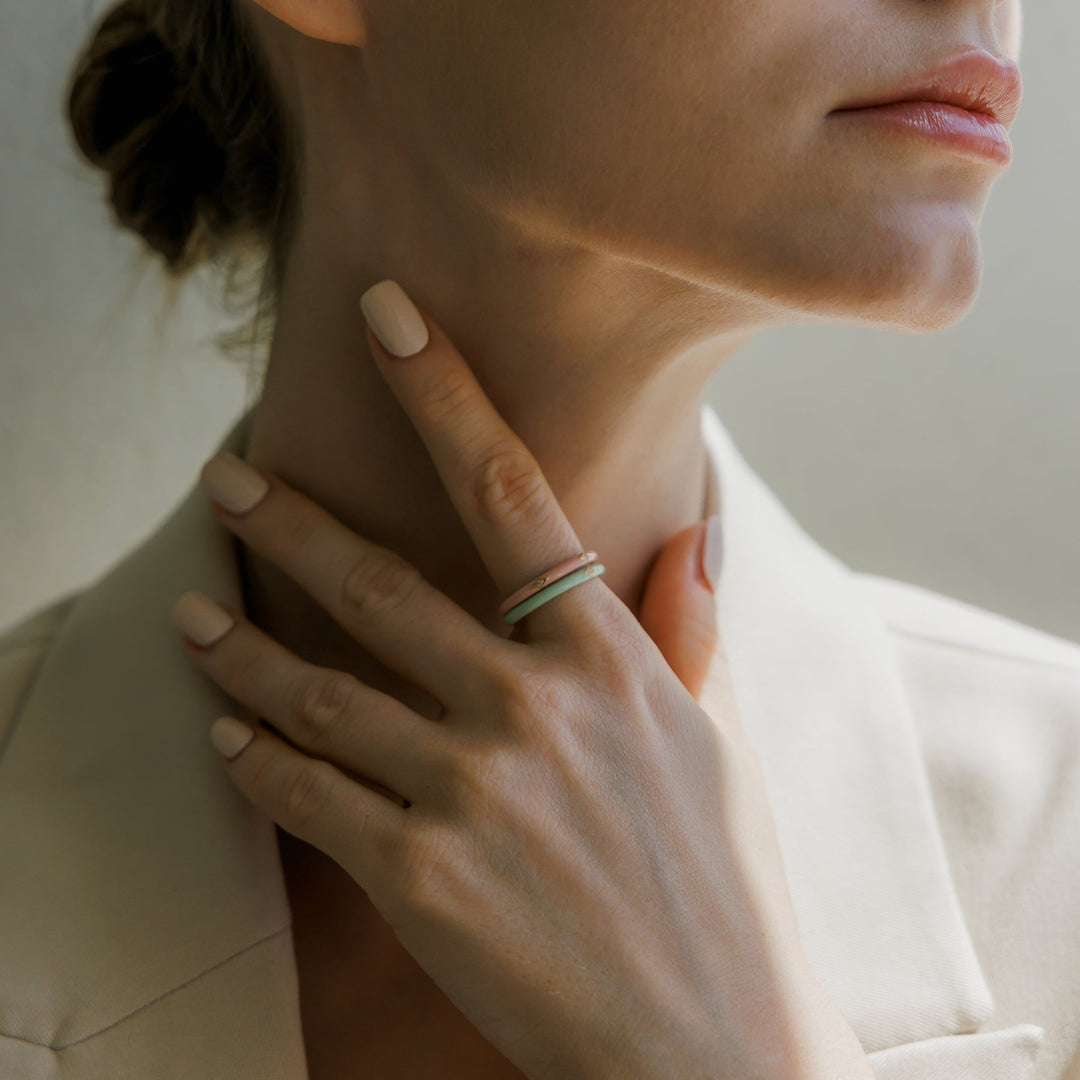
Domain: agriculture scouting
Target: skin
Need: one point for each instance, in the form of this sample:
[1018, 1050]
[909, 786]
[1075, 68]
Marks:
[599, 203]
[577, 220]
[587, 864]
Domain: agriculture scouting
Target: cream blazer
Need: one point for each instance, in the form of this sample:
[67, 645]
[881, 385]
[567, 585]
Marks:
[922, 757]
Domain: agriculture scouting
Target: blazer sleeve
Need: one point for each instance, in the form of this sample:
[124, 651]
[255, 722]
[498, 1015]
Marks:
[1008, 1054]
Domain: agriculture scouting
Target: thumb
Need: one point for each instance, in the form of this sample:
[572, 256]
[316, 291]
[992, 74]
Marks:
[678, 607]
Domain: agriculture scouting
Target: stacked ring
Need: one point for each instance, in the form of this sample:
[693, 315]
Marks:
[539, 590]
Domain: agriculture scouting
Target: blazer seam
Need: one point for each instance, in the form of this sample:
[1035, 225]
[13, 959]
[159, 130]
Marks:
[51, 618]
[985, 650]
[148, 1004]
[22, 643]
[61, 611]
[31, 682]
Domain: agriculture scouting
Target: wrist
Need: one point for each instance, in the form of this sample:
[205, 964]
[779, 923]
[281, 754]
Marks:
[802, 1037]
[824, 1046]
[790, 1031]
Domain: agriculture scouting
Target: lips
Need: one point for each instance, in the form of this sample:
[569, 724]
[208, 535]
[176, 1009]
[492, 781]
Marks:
[974, 80]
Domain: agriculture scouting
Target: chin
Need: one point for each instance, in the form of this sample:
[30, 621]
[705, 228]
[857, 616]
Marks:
[904, 269]
[933, 304]
[920, 285]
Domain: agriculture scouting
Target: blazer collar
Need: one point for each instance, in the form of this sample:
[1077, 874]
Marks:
[143, 870]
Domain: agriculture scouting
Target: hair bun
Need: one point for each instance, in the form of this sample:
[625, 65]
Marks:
[136, 113]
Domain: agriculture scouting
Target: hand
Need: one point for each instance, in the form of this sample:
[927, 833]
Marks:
[587, 865]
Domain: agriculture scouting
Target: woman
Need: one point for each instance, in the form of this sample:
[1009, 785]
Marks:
[479, 812]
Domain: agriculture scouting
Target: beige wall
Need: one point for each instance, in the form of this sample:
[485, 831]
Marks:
[950, 460]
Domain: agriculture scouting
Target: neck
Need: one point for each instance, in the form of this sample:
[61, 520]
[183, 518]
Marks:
[603, 385]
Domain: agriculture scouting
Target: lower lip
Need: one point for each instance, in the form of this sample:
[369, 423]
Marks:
[970, 134]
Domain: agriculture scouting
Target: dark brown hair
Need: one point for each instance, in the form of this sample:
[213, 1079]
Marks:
[172, 100]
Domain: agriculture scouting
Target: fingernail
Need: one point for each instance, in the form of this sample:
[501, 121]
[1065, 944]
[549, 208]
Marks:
[394, 319]
[712, 551]
[201, 619]
[233, 483]
[230, 735]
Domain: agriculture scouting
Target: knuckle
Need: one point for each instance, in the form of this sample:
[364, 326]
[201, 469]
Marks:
[612, 653]
[322, 705]
[557, 721]
[385, 844]
[509, 688]
[539, 703]
[422, 866]
[621, 664]
[445, 393]
[470, 782]
[539, 695]
[243, 668]
[377, 585]
[508, 486]
[306, 794]
[260, 777]
[294, 534]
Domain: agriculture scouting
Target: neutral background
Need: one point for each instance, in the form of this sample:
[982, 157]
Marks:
[951, 460]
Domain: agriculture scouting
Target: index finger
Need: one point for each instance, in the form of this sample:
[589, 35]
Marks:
[491, 476]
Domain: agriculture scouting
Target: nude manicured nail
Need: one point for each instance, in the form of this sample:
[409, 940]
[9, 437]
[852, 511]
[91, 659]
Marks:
[230, 735]
[233, 483]
[394, 319]
[201, 619]
[713, 551]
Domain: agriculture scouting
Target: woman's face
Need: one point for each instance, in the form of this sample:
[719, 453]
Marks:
[694, 136]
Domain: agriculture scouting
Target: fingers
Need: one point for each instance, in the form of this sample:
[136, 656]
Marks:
[371, 592]
[358, 828]
[326, 713]
[492, 478]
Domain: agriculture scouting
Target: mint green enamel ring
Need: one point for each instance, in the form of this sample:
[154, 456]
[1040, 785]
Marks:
[516, 614]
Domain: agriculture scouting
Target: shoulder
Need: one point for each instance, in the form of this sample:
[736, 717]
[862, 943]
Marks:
[996, 705]
[985, 688]
[23, 646]
[996, 702]
[934, 619]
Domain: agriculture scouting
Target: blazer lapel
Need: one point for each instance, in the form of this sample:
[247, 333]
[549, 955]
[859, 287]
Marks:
[151, 895]
[152, 908]
[820, 696]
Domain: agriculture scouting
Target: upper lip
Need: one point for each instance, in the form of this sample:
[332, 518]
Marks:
[974, 80]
